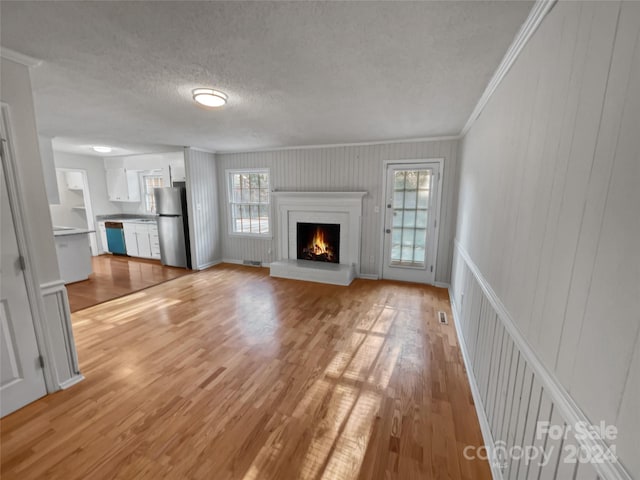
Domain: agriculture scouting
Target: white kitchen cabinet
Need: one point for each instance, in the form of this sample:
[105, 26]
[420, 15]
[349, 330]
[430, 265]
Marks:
[154, 241]
[123, 185]
[177, 172]
[144, 247]
[74, 180]
[130, 239]
[74, 256]
[102, 233]
[141, 239]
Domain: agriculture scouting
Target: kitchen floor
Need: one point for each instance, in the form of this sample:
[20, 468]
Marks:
[115, 276]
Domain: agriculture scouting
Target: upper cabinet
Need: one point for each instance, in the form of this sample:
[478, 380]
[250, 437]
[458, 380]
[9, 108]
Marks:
[177, 171]
[74, 180]
[123, 185]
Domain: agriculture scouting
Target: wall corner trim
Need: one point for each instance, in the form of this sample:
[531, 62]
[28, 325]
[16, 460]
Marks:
[539, 11]
[562, 400]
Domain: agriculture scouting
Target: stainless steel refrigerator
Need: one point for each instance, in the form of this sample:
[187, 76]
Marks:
[173, 227]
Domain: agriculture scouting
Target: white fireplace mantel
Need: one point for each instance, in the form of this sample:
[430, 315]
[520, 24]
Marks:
[343, 208]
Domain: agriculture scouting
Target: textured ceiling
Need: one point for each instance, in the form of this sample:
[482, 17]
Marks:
[300, 73]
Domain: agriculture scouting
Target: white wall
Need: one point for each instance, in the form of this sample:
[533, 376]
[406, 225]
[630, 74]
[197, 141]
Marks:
[347, 168]
[16, 91]
[48, 169]
[202, 202]
[94, 167]
[549, 210]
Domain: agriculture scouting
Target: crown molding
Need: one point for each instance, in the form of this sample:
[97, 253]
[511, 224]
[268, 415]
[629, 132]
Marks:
[198, 149]
[18, 57]
[539, 11]
[336, 145]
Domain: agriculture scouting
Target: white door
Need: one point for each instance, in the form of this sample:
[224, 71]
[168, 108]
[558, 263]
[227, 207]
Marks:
[411, 215]
[21, 376]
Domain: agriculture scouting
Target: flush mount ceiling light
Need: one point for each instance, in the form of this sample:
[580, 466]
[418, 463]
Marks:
[101, 149]
[209, 97]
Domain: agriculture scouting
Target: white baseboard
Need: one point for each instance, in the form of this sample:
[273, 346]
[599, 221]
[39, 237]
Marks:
[368, 276]
[477, 399]
[442, 285]
[71, 381]
[204, 266]
[241, 262]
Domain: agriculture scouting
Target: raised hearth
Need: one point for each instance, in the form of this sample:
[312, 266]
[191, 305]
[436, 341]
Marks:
[330, 250]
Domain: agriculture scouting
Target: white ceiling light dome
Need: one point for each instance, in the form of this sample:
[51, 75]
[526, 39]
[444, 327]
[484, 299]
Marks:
[210, 97]
[102, 149]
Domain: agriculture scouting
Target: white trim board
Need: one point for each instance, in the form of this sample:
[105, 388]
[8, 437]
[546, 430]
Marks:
[368, 276]
[338, 145]
[539, 11]
[206, 265]
[235, 261]
[563, 402]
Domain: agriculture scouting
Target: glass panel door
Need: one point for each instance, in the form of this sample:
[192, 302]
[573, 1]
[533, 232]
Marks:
[409, 222]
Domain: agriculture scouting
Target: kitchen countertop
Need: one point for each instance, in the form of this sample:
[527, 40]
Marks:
[118, 217]
[62, 231]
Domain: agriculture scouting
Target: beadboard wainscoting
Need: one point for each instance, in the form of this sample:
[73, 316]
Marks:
[64, 359]
[549, 201]
[513, 391]
[202, 204]
[345, 168]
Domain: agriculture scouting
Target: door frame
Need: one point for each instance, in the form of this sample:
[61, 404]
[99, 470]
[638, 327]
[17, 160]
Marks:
[25, 247]
[383, 211]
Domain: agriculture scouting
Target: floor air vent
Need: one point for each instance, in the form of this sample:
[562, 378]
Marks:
[442, 318]
[252, 263]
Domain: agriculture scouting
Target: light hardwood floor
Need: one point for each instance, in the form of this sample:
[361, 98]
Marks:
[230, 374]
[114, 276]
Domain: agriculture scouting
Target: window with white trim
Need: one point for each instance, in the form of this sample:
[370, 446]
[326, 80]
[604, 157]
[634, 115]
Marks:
[249, 201]
[151, 182]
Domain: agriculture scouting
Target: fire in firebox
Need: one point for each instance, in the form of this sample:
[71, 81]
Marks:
[318, 242]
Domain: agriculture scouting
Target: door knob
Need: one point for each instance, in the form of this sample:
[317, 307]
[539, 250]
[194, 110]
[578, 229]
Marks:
[388, 230]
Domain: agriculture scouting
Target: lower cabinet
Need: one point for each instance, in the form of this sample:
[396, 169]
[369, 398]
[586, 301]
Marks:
[74, 257]
[130, 238]
[102, 235]
[141, 239]
[144, 247]
[154, 242]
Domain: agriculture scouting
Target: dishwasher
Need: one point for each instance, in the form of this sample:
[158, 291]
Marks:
[115, 238]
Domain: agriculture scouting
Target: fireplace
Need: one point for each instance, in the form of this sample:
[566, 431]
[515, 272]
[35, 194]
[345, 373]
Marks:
[318, 242]
[338, 215]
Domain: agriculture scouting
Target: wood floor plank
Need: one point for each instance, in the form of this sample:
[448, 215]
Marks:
[231, 374]
[114, 276]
